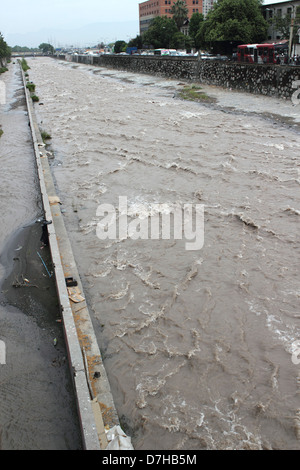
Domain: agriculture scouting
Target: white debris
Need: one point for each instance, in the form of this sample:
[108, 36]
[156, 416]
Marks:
[118, 440]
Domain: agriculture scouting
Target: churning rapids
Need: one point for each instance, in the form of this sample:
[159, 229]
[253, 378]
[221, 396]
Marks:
[198, 345]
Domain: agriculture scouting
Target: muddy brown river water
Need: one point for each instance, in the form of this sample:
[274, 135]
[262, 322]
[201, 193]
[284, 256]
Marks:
[199, 345]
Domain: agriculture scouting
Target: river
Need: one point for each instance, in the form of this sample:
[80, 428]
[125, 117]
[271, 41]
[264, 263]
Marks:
[198, 344]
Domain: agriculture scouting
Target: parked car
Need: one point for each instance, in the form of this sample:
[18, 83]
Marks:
[207, 56]
[221, 57]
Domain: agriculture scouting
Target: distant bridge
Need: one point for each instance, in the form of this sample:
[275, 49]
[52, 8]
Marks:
[28, 54]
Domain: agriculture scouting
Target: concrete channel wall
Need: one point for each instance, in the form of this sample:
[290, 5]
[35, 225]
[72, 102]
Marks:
[97, 414]
[269, 79]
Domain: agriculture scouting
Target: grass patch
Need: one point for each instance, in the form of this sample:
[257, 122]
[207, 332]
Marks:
[195, 93]
[3, 69]
[24, 65]
[1, 132]
[45, 136]
[31, 87]
[35, 98]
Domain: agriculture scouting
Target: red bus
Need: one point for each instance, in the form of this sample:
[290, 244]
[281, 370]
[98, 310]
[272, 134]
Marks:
[262, 53]
[247, 53]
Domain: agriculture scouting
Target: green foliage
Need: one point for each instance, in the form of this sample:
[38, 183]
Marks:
[181, 41]
[35, 98]
[233, 20]
[31, 87]
[180, 11]
[160, 32]
[195, 93]
[24, 65]
[194, 25]
[120, 46]
[46, 48]
[24, 49]
[136, 42]
[5, 51]
[1, 132]
[45, 136]
[3, 69]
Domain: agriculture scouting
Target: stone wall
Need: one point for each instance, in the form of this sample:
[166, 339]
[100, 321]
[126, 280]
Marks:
[270, 80]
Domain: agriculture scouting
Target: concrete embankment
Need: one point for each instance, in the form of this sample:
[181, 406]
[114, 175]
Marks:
[268, 80]
[98, 417]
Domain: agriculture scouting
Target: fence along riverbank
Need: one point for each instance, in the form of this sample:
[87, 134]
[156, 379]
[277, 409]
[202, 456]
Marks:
[97, 414]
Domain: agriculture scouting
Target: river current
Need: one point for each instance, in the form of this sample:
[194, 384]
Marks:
[199, 345]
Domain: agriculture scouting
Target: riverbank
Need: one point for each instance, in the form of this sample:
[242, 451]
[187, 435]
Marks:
[38, 409]
[262, 79]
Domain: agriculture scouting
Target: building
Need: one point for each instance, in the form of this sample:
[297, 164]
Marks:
[152, 8]
[207, 5]
[290, 12]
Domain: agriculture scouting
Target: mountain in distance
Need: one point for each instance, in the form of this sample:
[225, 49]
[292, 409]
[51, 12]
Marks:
[87, 35]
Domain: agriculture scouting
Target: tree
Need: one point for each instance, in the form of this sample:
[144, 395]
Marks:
[194, 25]
[136, 42]
[233, 20]
[120, 46]
[5, 51]
[160, 32]
[179, 10]
[181, 41]
[46, 48]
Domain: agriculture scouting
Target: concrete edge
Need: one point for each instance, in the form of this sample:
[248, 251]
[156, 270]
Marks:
[96, 408]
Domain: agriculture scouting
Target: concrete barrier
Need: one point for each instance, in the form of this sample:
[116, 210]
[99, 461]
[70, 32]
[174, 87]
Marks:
[97, 413]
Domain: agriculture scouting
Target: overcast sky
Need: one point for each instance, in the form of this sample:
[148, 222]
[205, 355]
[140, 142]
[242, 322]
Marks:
[30, 22]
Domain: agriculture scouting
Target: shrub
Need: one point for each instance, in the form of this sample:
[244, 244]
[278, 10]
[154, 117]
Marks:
[30, 86]
[35, 98]
[45, 136]
[24, 65]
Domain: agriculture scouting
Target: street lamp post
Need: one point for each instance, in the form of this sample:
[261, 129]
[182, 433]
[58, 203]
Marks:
[291, 38]
[291, 32]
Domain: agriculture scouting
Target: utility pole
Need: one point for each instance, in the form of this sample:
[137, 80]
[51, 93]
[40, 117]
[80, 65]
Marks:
[291, 31]
[291, 38]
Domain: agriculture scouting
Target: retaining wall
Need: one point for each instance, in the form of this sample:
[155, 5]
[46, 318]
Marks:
[270, 80]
